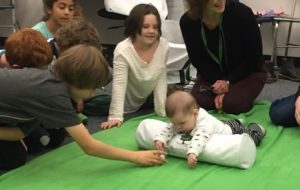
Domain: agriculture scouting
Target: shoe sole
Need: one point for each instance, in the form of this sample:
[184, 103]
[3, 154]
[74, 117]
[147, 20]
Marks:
[282, 76]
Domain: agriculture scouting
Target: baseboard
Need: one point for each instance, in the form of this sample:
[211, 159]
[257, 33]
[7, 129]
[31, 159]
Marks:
[280, 58]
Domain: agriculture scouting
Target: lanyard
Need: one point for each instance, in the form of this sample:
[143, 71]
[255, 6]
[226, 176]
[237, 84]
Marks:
[217, 59]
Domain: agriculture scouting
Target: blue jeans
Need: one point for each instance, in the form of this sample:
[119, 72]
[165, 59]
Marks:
[282, 112]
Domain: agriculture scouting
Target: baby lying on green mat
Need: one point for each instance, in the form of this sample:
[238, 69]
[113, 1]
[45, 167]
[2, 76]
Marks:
[197, 135]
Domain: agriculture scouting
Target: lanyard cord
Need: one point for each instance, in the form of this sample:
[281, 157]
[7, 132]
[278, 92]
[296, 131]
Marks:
[217, 59]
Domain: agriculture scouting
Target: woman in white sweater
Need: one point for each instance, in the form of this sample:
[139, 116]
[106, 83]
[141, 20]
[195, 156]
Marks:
[139, 66]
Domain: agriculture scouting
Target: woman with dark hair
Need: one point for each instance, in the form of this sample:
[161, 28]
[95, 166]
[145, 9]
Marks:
[139, 66]
[224, 44]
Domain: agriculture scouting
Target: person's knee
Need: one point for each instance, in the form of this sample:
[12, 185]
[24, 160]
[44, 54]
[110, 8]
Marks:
[275, 114]
[236, 106]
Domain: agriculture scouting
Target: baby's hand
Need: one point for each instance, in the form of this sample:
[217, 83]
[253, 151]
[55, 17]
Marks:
[192, 160]
[159, 145]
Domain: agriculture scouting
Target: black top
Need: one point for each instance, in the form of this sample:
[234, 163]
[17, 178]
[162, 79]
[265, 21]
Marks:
[30, 97]
[242, 46]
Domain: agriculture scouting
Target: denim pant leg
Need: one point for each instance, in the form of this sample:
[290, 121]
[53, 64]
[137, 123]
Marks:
[282, 111]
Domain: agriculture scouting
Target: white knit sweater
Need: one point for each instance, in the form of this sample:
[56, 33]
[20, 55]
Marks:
[134, 79]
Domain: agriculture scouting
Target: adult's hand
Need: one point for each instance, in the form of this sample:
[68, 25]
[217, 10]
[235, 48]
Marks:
[220, 87]
[219, 101]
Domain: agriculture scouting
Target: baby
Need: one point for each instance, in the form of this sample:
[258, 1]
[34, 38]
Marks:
[188, 118]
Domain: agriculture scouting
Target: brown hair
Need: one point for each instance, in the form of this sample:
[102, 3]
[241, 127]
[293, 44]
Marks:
[196, 8]
[82, 66]
[134, 21]
[180, 101]
[77, 31]
[28, 48]
[48, 5]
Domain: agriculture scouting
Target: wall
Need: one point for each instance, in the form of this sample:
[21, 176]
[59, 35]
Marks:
[266, 29]
[29, 12]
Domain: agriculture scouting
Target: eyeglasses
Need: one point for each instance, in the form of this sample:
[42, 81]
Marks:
[205, 88]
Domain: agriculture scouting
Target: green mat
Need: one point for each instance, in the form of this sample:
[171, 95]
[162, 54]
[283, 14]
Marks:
[276, 166]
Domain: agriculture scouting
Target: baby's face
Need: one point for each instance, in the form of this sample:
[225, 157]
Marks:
[184, 122]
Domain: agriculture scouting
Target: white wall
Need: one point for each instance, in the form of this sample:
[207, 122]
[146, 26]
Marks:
[267, 31]
[29, 12]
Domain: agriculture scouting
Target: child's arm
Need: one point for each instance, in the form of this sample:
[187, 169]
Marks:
[99, 149]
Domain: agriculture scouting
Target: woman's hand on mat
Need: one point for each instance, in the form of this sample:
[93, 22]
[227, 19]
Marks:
[150, 157]
[110, 123]
[159, 145]
[192, 160]
[219, 101]
[297, 110]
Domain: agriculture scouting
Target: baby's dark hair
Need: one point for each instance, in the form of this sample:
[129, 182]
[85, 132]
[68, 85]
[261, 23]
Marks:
[180, 101]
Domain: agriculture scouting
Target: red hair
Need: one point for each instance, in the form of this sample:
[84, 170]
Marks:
[28, 48]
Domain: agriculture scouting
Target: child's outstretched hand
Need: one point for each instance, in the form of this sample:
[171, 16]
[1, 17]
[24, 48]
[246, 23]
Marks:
[192, 160]
[150, 157]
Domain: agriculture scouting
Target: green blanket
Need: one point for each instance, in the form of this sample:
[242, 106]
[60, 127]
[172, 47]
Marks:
[276, 165]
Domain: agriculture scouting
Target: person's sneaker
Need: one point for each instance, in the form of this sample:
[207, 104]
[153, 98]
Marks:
[257, 132]
[288, 70]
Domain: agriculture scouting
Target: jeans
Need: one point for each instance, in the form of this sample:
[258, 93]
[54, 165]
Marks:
[282, 112]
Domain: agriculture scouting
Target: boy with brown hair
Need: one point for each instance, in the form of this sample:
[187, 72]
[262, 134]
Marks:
[44, 97]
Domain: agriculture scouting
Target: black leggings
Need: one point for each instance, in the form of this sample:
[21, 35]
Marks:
[12, 154]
